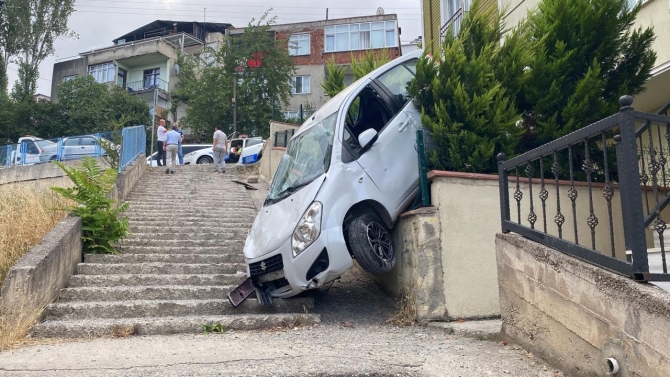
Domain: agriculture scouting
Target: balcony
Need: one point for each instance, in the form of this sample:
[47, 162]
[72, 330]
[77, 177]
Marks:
[165, 46]
[146, 85]
[454, 20]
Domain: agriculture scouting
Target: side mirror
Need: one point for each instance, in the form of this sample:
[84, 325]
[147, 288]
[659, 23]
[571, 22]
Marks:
[367, 137]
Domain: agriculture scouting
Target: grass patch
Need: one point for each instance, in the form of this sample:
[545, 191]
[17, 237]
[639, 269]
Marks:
[405, 314]
[26, 216]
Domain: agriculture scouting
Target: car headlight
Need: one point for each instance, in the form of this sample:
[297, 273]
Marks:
[307, 230]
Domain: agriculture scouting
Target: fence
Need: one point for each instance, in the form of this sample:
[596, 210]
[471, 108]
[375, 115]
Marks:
[610, 156]
[283, 137]
[133, 143]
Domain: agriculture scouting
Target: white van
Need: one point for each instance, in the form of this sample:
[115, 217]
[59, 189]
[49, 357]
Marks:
[347, 175]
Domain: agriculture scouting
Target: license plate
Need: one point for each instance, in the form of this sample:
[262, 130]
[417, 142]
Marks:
[239, 294]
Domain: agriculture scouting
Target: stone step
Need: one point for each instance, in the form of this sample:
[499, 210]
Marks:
[177, 213]
[164, 258]
[213, 223]
[188, 201]
[136, 280]
[159, 269]
[195, 230]
[222, 236]
[188, 250]
[168, 325]
[187, 217]
[187, 243]
[171, 308]
[137, 206]
[181, 292]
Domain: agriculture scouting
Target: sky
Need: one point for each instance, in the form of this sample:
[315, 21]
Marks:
[98, 22]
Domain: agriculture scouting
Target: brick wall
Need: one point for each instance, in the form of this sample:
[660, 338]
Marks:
[317, 55]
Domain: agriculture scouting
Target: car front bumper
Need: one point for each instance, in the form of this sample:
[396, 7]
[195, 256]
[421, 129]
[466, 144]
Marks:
[286, 276]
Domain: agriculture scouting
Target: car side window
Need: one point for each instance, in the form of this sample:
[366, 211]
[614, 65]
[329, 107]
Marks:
[31, 147]
[87, 141]
[71, 142]
[253, 142]
[396, 81]
[368, 111]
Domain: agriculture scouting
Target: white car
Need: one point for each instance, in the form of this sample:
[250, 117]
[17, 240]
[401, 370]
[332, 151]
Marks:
[35, 149]
[187, 149]
[347, 175]
[252, 151]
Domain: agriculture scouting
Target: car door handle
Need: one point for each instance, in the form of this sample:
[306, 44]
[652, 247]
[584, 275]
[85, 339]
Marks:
[405, 124]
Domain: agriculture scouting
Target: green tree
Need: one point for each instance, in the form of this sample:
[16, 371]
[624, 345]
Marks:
[35, 25]
[467, 97]
[368, 62]
[261, 66]
[334, 81]
[587, 56]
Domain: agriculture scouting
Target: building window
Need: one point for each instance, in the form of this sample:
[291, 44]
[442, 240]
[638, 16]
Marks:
[68, 78]
[151, 77]
[299, 44]
[361, 36]
[103, 73]
[301, 85]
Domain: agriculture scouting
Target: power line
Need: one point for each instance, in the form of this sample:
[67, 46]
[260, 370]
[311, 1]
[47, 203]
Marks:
[16, 70]
[310, 17]
[235, 5]
[199, 11]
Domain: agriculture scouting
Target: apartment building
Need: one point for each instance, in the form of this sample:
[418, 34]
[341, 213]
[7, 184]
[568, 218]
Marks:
[654, 13]
[313, 44]
[438, 15]
[144, 61]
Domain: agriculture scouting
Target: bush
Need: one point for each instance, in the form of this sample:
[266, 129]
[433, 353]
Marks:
[101, 224]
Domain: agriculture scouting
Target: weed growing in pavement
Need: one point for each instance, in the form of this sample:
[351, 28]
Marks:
[125, 331]
[16, 326]
[25, 217]
[215, 328]
[405, 314]
[101, 222]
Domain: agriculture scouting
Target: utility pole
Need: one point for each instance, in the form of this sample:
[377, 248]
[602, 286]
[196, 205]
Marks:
[153, 125]
[234, 104]
[205, 13]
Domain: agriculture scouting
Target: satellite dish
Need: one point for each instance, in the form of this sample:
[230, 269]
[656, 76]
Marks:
[380, 11]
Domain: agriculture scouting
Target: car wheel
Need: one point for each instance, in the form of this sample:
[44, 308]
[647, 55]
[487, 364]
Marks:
[371, 244]
[205, 160]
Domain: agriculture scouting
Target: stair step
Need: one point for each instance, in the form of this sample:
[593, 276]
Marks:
[186, 242]
[193, 229]
[134, 280]
[182, 292]
[217, 249]
[168, 325]
[182, 235]
[164, 258]
[171, 308]
[159, 268]
[240, 222]
[190, 217]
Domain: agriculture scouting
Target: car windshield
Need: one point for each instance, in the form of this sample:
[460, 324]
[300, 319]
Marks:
[307, 157]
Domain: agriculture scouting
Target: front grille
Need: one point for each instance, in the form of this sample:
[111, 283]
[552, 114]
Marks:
[272, 264]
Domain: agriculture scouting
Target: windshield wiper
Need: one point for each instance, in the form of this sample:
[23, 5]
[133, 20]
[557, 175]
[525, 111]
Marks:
[286, 193]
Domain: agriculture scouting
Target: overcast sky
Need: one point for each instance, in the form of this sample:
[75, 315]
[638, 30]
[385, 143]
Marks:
[98, 22]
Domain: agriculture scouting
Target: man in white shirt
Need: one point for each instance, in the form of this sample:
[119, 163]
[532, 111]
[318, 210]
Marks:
[220, 148]
[162, 132]
[172, 140]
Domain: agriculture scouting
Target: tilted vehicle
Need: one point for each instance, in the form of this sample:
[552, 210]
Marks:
[347, 175]
[252, 151]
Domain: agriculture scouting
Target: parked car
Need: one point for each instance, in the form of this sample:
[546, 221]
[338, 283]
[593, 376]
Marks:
[36, 150]
[347, 175]
[187, 149]
[76, 147]
[252, 151]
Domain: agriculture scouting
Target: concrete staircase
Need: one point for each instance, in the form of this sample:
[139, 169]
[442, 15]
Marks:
[175, 270]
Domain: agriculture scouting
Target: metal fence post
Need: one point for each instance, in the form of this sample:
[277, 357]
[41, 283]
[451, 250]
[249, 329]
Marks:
[630, 189]
[503, 182]
[24, 148]
[302, 118]
[423, 169]
[98, 147]
[59, 152]
[122, 150]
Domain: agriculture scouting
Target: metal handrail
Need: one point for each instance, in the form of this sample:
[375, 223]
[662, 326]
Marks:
[456, 17]
[638, 170]
[140, 86]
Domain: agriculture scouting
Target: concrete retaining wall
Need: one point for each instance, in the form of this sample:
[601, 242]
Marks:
[38, 277]
[575, 315]
[35, 172]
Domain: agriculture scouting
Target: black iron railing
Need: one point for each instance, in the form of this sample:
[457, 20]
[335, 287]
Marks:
[601, 186]
[282, 138]
[455, 21]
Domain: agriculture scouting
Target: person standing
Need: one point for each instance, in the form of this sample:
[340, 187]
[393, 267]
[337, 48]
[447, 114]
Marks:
[220, 148]
[181, 140]
[172, 147]
[160, 155]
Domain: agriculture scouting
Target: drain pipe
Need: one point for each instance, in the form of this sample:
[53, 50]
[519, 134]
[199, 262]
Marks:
[613, 366]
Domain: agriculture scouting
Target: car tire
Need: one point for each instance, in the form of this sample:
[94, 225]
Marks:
[371, 244]
[205, 160]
